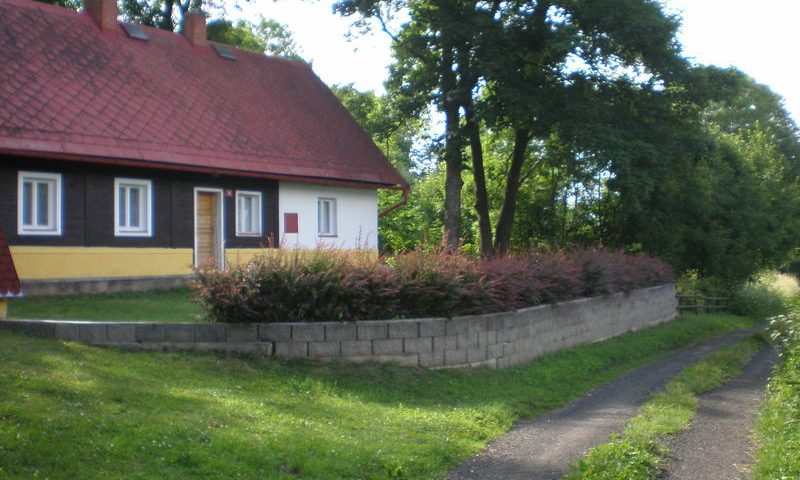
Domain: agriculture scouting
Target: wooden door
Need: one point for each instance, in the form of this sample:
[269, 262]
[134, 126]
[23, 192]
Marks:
[207, 230]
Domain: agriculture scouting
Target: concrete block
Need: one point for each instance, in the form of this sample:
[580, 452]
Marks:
[377, 330]
[469, 340]
[456, 326]
[274, 332]
[324, 349]
[356, 348]
[432, 327]
[67, 332]
[291, 349]
[92, 333]
[433, 359]
[207, 333]
[387, 347]
[150, 332]
[39, 329]
[403, 329]
[441, 344]
[418, 345]
[494, 351]
[340, 331]
[499, 321]
[308, 332]
[122, 333]
[476, 354]
[487, 338]
[175, 332]
[241, 332]
[455, 357]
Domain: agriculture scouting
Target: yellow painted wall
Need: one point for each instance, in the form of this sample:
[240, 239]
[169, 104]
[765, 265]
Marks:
[241, 256]
[49, 263]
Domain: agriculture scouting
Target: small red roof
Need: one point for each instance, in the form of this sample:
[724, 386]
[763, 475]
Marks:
[71, 90]
[9, 281]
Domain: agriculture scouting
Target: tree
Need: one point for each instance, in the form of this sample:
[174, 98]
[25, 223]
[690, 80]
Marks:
[267, 36]
[513, 65]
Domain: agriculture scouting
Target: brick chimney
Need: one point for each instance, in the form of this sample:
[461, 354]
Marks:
[194, 28]
[103, 12]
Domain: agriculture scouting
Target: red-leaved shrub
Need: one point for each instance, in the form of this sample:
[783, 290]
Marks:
[327, 285]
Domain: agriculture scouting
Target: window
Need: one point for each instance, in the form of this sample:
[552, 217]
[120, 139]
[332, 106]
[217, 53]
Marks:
[248, 214]
[133, 214]
[39, 203]
[326, 211]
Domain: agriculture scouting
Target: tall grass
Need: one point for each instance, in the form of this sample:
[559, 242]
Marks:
[778, 429]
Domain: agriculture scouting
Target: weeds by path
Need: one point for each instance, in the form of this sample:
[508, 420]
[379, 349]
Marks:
[778, 429]
[637, 453]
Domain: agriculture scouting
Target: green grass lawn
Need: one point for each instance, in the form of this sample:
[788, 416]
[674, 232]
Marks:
[177, 305]
[74, 411]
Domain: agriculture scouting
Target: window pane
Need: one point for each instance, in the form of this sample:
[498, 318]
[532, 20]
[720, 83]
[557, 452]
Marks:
[248, 214]
[42, 204]
[134, 208]
[122, 200]
[27, 203]
[326, 217]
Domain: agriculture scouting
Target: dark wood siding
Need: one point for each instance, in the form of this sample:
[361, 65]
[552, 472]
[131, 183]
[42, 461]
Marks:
[88, 205]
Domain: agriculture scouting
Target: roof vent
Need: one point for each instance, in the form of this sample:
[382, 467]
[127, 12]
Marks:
[135, 31]
[224, 51]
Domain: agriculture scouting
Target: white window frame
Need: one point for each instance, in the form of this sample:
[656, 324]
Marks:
[145, 230]
[332, 221]
[257, 214]
[54, 212]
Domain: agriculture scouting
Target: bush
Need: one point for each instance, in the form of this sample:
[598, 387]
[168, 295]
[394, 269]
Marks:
[287, 285]
[762, 298]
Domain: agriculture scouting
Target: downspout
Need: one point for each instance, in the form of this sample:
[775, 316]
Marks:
[405, 188]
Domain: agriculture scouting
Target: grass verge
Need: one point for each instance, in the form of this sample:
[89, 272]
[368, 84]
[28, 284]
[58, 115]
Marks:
[176, 305]
[778, 427]
[75, 411]
[637, 453]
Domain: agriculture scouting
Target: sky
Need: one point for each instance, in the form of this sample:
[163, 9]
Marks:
[762, 41]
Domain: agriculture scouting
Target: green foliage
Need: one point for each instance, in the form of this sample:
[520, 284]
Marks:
[75, 411]
[266, 36]
[778, 428]
[638, 453]
[757, 300]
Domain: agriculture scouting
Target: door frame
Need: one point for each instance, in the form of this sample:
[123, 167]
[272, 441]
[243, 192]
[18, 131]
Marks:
[220, 193]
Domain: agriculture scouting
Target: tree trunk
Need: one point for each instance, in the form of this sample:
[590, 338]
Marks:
[452, 153]
[506, 220]
[479, 176]
[453, 182]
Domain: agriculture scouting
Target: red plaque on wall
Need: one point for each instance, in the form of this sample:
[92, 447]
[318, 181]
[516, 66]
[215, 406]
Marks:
[290, 223]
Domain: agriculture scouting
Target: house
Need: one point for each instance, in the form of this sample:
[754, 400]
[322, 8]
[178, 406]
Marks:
[128, 152]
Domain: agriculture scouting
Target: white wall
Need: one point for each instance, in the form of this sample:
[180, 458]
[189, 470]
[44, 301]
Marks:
[356, 215]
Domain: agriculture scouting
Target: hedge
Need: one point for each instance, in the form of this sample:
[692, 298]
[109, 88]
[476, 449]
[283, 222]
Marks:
[325, 285]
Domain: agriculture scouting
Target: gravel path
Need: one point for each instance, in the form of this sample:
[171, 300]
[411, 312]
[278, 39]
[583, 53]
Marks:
[719, 443]
[545, 447]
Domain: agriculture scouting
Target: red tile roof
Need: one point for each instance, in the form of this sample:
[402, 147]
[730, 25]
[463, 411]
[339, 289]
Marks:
[69, 90]
[9, 281]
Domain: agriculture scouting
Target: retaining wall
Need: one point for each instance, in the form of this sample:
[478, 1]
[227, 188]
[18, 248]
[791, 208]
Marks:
[495, 340]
